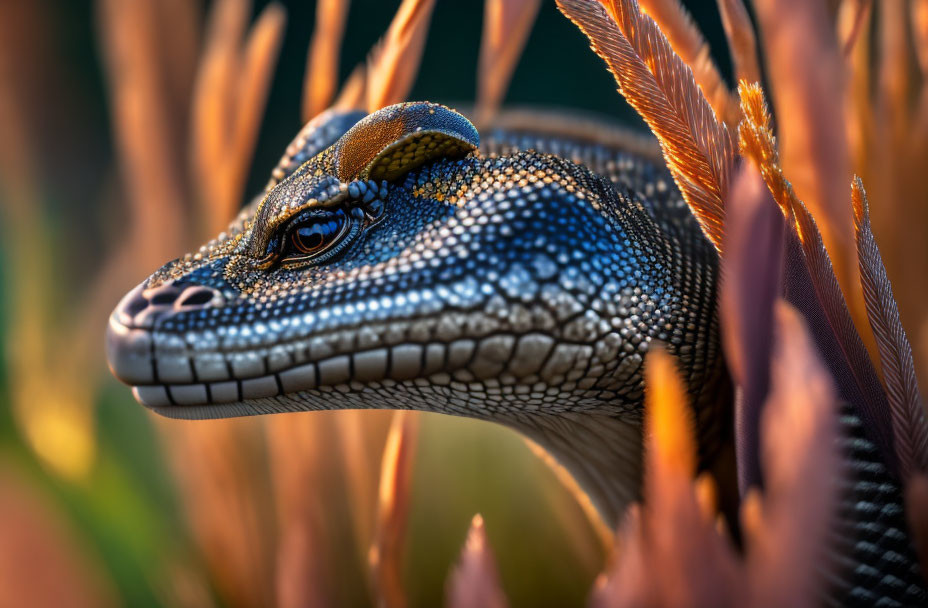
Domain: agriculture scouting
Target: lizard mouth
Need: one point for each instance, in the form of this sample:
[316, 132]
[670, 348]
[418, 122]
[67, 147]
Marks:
[187, 376]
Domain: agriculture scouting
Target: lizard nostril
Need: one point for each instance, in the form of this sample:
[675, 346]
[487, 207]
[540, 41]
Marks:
[135, 306]
[196, 296]
[163, 294]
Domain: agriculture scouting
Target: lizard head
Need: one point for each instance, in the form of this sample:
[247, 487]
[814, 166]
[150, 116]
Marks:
[400, 268]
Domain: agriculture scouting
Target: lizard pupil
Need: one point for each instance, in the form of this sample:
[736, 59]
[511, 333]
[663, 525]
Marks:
[315, 236]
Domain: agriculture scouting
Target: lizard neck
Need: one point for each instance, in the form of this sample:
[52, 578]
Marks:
[601, 452]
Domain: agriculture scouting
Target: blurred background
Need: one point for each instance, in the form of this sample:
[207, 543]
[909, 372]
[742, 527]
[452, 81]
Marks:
[129, 133]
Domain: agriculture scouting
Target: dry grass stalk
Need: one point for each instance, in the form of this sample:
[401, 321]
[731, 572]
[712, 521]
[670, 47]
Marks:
[216, 463]
[182, 19]
[688, 42]
[474, 582]
[739, 31]
[506, 27]
[807, 70]
[386, 554]
[259, 58]
[394, 63]
[697, 147]
[910, 427]
[322, 63]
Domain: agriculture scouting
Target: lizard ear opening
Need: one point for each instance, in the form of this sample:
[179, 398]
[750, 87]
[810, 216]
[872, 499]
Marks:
[397, 139]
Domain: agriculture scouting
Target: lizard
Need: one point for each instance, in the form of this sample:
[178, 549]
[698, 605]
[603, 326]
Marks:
[395, 260]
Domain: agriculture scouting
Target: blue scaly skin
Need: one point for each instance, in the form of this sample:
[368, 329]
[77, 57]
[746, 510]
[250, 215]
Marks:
[393, 263]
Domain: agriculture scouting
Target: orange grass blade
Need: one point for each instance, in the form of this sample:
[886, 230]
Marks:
[221, 471]
[807, 75]
[386, 555]
[856, 15]
[362, 437]
[214, 104]
[142, 130]
[688, 42]
[474, 583]
[506, 27]
[394, 64]
[354, 91]
[322, 63]
[259, 58]
[801, 467]
[908, 415]
[300, 447]
[920, 38]
[669, 425]
[741, 40]
[894, 82]
[697, 147]
[180, 22]
[853, 25]
[697, 567]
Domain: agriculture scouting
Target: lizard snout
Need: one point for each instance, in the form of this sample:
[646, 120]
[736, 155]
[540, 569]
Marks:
[128, 335]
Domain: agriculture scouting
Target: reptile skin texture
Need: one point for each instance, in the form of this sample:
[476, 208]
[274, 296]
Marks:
[395, 261]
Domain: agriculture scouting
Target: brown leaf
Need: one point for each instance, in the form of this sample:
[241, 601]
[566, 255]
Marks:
[697, 147]
[474, 583]
[910, 427]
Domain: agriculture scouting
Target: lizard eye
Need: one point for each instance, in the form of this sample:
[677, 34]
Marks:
[316, 236]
